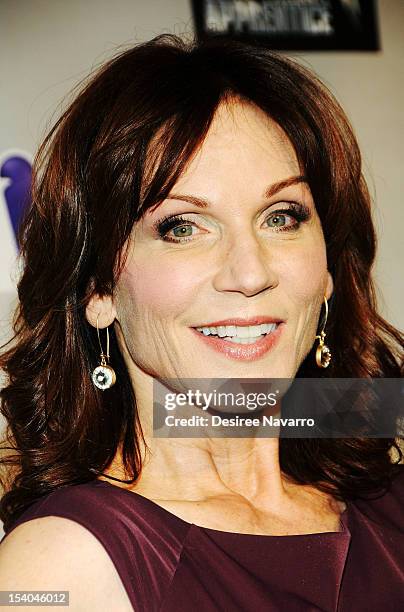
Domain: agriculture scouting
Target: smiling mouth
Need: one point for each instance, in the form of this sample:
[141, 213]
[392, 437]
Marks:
[235, 334]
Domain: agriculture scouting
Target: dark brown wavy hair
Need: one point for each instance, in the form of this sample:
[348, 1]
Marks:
[94, 176]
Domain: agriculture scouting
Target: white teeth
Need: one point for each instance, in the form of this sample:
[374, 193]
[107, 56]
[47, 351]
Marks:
[236, 340]
[250, 331]
[235, 333]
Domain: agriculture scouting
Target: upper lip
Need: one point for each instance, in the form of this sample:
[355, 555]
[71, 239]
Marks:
[242, 322]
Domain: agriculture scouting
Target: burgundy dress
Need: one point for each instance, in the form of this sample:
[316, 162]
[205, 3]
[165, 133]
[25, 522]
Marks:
[168, 564]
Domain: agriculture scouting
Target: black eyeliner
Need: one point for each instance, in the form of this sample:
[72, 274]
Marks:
[299, 211]
[162, 226]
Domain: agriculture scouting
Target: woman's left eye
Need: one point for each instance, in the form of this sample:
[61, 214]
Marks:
[279, 221]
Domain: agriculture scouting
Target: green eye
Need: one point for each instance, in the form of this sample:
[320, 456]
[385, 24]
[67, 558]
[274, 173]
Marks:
[182, 230]
[276, 220]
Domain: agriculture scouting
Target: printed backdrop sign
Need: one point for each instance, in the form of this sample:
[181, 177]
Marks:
[17, 169]
[15, 177]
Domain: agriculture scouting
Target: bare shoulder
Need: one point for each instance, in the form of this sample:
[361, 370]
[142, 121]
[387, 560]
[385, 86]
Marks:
[58, 554]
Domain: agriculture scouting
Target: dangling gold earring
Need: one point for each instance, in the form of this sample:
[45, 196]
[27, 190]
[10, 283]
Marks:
[323, 353]
[103, 375]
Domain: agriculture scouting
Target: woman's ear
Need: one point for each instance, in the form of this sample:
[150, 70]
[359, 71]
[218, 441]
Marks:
[103, 306]
[330, 286]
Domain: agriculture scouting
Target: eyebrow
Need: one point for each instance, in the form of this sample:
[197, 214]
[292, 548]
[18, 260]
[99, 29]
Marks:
[268, 193]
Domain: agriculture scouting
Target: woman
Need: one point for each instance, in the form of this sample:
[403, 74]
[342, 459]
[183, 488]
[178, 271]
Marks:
[193, 191]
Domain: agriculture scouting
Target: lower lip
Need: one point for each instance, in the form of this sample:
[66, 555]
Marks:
[242, 352]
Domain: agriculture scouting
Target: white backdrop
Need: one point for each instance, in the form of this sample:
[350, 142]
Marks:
[47, 46]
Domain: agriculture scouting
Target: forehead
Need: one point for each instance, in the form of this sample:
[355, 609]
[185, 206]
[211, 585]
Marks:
[242, 142]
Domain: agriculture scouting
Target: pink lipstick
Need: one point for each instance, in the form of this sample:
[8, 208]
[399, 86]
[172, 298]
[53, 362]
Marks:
[247, 351]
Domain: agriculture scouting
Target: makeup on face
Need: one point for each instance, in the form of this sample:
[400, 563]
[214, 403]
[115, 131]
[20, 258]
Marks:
[228, 272]
[244, 343]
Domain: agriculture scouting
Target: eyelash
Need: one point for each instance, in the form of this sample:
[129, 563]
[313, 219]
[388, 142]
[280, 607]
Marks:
[299, 212]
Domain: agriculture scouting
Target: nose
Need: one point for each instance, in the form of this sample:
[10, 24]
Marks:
[246, 266]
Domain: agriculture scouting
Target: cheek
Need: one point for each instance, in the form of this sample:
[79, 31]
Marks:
[304, 278]
[161, 287]
[304, 273]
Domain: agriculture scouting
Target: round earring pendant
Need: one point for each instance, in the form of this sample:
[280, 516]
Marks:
[103, 377]
[323, 356]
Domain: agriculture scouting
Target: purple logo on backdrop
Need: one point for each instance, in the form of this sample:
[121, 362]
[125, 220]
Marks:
[17, 169]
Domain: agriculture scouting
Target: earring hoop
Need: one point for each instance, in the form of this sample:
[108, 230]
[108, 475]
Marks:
[103, 376]
[323, 353]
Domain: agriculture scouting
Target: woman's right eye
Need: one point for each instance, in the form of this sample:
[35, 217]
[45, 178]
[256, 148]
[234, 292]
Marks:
[181, 229]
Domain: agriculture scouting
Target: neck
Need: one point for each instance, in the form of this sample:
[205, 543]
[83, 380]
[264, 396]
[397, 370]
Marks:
[199, 468]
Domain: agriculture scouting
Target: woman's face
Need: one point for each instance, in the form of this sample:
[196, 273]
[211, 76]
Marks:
[255, 250]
